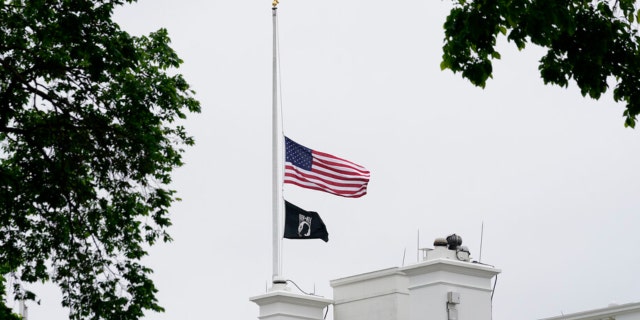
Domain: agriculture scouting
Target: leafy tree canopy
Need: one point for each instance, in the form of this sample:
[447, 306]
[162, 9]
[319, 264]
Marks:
[89, 136]
[589, 41]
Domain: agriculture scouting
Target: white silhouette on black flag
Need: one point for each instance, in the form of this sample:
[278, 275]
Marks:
[302, 224]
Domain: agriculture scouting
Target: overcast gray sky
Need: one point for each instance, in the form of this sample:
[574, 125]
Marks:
[553, 175]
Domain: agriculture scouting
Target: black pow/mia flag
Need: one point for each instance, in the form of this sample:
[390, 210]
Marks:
[301, 224]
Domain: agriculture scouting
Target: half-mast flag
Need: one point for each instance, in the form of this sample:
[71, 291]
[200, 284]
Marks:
[302, 224]
[321, 171]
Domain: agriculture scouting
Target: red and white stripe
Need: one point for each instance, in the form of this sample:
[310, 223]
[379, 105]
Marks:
[330, 174]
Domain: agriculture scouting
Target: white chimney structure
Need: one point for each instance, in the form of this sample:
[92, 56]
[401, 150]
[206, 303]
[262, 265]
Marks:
[444, 285]
[378, 295]
[280, 304]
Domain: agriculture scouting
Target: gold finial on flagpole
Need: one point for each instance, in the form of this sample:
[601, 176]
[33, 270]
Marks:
[274, 3]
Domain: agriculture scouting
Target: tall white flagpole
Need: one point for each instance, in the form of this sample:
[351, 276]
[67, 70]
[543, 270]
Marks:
[278, 164]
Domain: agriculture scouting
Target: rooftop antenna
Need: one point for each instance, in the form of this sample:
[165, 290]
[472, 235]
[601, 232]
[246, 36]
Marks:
[404, 254]
[481, 236]
[418, 248]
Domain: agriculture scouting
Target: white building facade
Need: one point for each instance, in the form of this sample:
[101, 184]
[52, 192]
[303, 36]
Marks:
[445, 285]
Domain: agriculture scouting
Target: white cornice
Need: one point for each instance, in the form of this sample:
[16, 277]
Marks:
[292, 298]
[460, 267]
[366, 277]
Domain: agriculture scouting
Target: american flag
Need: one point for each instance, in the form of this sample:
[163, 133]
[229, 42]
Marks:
[321, 171]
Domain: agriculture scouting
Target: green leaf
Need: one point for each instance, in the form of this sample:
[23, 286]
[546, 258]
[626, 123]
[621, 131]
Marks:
[444, 65]
[629, 123]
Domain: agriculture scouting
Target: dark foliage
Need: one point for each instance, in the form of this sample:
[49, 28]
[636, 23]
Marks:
[88, 140]
[592, 42]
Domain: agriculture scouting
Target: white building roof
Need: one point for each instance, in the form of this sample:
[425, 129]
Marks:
[628, 311]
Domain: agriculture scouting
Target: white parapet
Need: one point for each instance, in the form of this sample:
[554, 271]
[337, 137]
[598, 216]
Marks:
[378, 295]
[450, 289]
[284, 305]
[445, 286]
